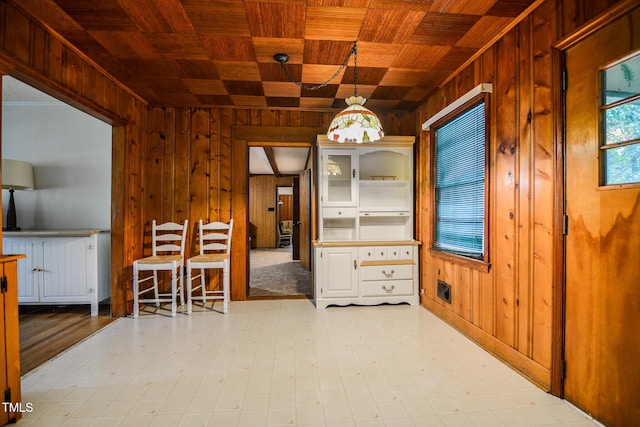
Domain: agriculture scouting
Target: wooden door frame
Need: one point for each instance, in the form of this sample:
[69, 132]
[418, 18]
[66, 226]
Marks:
[241, 138]
[295, 216]
[559, 290]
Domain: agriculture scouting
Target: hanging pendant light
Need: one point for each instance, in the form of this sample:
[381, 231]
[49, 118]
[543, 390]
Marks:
[356, 123]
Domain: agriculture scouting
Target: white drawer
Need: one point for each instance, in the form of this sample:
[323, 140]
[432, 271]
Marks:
[366, 254]
[339, 212]
[380, 253]
[386, 272]
[394, 252]
[386, 288]
[406, 252]
[384, 253]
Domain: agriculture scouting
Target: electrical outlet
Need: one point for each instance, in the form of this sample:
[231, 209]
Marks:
[421, 291]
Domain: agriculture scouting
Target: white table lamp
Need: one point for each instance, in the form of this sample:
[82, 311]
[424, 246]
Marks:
[16, 175]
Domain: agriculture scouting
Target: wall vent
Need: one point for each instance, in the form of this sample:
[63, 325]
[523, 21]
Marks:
[444, 291]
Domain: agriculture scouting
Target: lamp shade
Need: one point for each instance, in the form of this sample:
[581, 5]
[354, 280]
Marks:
[17, 175]
[333, 168]
[355, 123]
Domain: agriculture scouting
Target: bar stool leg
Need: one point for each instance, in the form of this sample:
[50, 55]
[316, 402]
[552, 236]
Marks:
[189, 304]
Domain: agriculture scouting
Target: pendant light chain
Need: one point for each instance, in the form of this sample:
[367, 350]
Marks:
[355, 67]
[353, 51]
[356, 123]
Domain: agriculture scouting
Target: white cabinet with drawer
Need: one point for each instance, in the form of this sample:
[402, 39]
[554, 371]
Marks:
[62, 267]
[366, 253]
[350, 273]
[382, 280]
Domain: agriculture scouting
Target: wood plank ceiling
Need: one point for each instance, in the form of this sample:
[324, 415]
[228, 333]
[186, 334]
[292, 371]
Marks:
[219, 53]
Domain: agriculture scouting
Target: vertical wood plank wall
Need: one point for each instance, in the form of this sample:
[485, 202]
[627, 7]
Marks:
[262, 196]
[285, 207]
[509, 309]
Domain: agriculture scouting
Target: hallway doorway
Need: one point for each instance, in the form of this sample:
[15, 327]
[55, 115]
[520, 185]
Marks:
[279, 218]
[71, 155]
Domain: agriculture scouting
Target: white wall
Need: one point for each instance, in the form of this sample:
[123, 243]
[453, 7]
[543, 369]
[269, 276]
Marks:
[71, 155]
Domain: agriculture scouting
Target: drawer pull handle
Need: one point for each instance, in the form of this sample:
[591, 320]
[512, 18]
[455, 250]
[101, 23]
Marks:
[355, 264]
[388, 275]
[389, 290]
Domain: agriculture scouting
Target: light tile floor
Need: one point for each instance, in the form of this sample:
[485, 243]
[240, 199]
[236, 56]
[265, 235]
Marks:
[276, 363]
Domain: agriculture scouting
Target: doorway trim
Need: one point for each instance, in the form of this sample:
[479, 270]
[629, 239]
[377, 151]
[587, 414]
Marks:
[241, 138]
[559, 292]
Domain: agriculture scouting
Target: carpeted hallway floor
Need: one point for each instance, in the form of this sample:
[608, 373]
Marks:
[274, 273]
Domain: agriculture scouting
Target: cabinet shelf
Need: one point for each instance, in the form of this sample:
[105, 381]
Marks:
[385, 227]
[387, 195]
[381, 212]
[384, 182]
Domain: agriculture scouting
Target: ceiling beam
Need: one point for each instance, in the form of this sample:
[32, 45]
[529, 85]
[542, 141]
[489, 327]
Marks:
[272, 161]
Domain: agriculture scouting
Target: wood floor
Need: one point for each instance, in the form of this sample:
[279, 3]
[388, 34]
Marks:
[46, 331]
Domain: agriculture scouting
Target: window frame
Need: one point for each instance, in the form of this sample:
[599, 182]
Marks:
[481, 262]
[603, 107]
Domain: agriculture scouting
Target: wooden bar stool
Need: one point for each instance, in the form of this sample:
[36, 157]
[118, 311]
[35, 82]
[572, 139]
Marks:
[215, 249]
[168, 241]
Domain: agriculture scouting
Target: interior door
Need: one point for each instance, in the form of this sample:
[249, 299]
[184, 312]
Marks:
[305, 218]
[296, 219]
[602, 312]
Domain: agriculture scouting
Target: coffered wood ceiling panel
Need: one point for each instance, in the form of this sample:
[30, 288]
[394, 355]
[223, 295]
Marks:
[219, 53]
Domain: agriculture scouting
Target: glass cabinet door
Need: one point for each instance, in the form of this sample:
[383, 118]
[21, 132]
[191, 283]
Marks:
[339, 171]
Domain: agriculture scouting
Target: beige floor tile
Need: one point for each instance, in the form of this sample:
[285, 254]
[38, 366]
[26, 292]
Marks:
[283, 362]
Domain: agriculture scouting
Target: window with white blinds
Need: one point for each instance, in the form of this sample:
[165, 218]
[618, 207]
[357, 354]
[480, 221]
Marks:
[459, 181]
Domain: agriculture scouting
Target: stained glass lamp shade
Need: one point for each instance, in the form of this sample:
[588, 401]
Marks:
[356, 123]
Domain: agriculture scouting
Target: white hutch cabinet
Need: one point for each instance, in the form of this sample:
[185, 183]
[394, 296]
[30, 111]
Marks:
[62, 266]
[366, 253]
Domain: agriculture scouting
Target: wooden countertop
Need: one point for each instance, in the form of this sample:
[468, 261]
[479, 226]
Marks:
[343, 243]
[53, 233]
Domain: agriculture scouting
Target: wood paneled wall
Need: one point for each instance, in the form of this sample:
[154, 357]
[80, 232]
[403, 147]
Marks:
[262, 196]
[32, 54]
[285, 207]
[509, 310]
